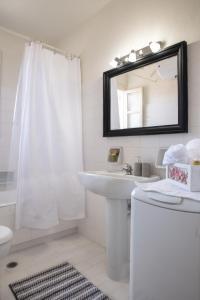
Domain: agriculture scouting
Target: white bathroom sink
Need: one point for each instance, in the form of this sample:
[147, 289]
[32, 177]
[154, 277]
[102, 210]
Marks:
[117, 188]
[112, 185]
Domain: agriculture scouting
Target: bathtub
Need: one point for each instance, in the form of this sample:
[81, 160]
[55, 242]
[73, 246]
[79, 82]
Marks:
[8, 196]
[7, 189]
[7, 199]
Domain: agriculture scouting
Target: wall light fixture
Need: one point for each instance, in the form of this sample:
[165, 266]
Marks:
[134, 55]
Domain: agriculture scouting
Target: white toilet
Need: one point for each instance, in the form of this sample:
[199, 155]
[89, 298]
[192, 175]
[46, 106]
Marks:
[6, 236]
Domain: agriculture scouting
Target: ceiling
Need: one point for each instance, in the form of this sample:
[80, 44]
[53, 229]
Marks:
[47, 20]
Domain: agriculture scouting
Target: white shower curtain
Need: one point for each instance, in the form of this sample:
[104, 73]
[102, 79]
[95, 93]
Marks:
[46, 150]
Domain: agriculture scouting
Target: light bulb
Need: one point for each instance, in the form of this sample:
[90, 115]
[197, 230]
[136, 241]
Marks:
[141, 52]
[132, 56]
[114, 63]
[155, 46]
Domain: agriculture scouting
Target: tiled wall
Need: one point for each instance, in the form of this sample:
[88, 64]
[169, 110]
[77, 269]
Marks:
[96, 147]
[121, 26]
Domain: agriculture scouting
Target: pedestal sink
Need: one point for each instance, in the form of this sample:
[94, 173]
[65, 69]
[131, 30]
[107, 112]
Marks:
[117, 188]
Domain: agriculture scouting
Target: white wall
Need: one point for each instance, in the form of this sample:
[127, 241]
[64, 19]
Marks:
[11, 52]
[120, 27]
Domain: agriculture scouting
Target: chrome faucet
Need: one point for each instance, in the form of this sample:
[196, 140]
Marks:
[128, 169]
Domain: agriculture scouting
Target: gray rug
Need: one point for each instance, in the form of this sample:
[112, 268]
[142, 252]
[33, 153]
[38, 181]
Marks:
[61, 282]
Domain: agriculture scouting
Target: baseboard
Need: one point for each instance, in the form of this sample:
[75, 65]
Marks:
[44, 239]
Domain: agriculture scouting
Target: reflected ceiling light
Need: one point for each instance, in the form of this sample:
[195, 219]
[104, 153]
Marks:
[132, 56]
[155, 46]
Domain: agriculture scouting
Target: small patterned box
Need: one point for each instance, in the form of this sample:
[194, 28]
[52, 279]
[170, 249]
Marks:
[184, 176]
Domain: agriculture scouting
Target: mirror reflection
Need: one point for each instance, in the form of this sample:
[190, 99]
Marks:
[145, 97]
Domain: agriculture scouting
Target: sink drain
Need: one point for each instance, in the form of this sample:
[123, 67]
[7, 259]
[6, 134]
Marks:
[11, 264]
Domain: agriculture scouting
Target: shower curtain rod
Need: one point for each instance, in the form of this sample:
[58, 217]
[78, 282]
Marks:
[29, 39]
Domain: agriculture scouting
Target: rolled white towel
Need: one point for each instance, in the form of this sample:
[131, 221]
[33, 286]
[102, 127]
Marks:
[176, 154]
[193, 149]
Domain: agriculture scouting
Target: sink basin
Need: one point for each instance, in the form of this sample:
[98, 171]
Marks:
[117, 188]
[112, 185]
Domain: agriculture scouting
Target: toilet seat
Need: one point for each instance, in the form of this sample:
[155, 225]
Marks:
[6, 234]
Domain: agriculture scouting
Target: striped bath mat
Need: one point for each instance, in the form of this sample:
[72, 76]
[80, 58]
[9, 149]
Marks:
[61, 282]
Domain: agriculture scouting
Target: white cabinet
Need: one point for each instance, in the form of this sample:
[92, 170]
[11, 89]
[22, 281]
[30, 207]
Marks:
[165, 252]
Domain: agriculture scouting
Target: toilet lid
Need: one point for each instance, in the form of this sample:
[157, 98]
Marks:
[5, 234]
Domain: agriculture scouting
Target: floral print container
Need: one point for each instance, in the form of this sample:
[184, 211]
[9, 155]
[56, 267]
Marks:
[185, 176]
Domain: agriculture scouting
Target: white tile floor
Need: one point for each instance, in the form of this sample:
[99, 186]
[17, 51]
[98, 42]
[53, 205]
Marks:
[86, 256]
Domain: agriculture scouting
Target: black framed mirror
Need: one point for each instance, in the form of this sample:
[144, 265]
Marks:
[148, 96]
